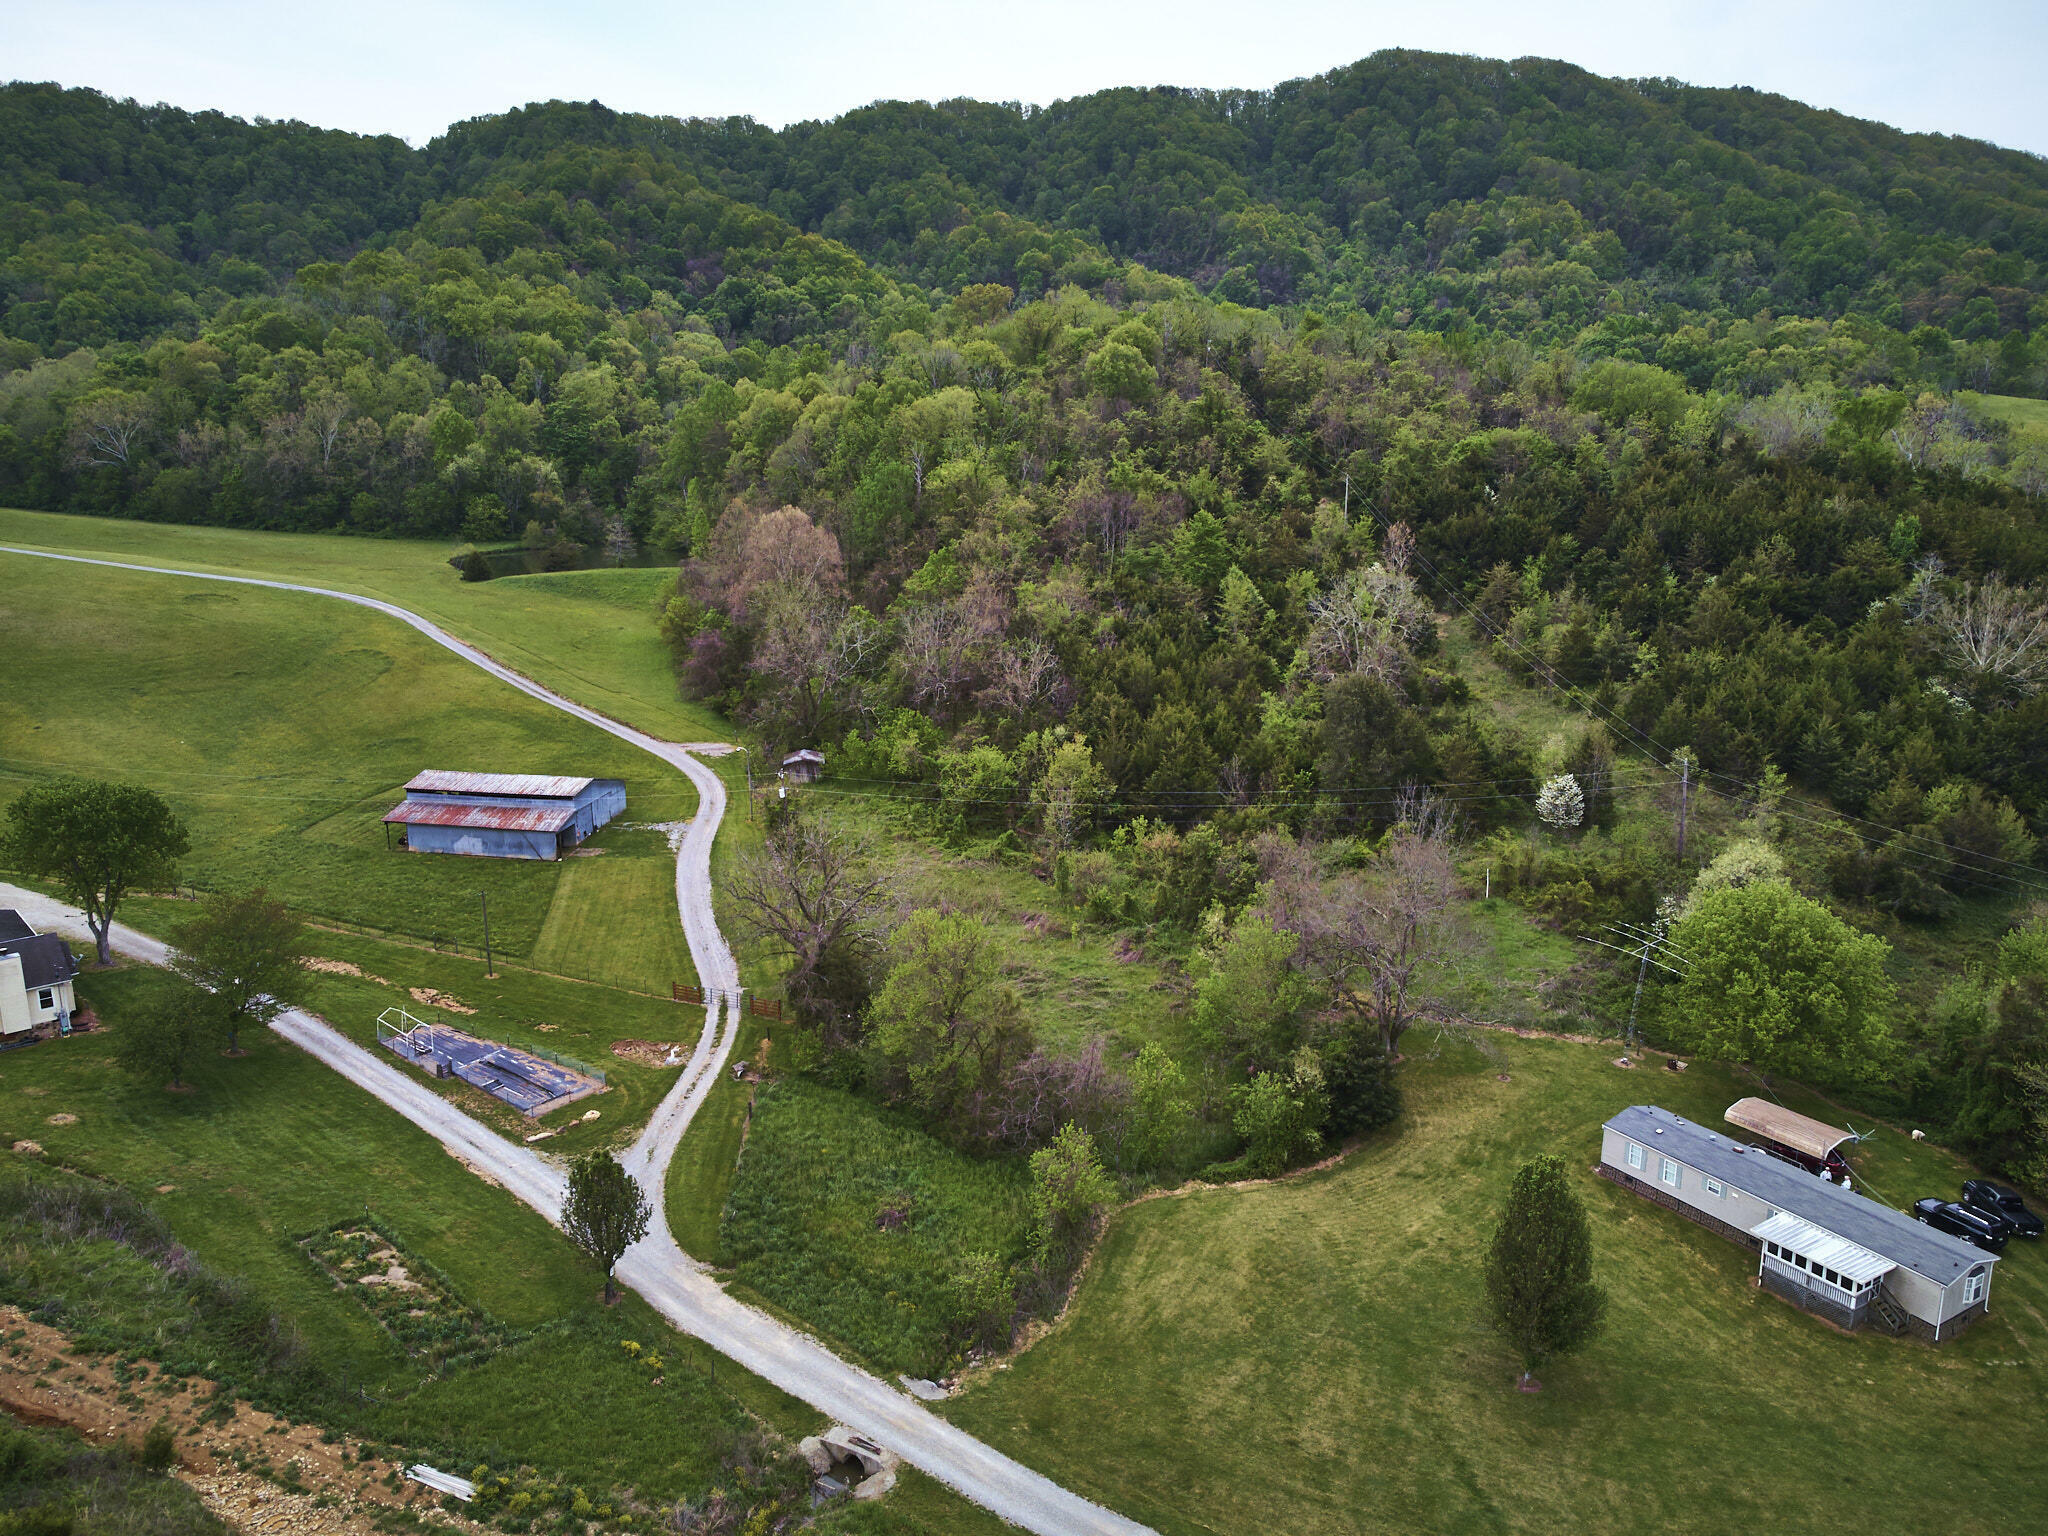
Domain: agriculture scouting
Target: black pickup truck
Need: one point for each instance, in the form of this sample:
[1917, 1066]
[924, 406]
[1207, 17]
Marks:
[2006, 1204]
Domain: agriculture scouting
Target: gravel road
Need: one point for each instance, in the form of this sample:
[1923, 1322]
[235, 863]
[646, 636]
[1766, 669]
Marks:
[672, 1282]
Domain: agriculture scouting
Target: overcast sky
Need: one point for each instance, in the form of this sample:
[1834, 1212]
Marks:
[411, 67]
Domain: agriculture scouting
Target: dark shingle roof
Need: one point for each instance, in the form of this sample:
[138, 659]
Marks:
[12, 925]
[1862, 1221]
[45, 959]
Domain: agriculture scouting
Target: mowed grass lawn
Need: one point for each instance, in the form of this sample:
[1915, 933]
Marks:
[587, 634]
[1311, 1356]
[281, 727]
[613, 918]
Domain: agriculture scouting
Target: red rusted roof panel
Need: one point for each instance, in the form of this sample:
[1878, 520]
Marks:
[502, 818]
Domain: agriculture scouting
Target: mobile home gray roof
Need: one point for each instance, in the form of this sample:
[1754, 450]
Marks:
[1896, 1236]
[526, 786]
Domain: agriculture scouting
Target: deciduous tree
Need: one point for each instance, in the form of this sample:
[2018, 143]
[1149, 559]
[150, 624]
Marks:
[98, 842]
[1068, 1191]
[1776, 980]
[1371, 936]
[155, 1044]
[605, 1212]
[944, 1020]
[248, 952]
[813, 893]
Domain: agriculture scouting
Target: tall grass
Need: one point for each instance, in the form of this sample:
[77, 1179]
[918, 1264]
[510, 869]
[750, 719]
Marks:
[854, 1221]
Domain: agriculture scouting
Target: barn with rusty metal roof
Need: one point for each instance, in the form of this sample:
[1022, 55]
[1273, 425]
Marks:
[503, 815]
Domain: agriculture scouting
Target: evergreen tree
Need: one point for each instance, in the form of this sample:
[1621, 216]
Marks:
[1539, 1271]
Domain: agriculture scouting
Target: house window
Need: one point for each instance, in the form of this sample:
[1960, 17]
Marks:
[1973, 1288]
[1635, 1155]
[1667, 1170]
[47, 998]
[1713, 1186]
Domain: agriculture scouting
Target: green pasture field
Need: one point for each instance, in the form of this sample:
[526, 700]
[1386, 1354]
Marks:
[587, 634]
[281, 729]
[700, 1175]
[1312, 1355]
[851, 1219]
[2027, 418]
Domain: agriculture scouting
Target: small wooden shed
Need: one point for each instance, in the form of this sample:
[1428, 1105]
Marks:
[804, 767]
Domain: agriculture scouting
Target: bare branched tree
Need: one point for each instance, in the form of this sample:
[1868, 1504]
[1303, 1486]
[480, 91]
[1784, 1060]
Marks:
[326, 415]
[1994, 631]
[108, 426]
[1026, 678]
[814, 893]
[1047, 1090]
[1361, 626]
[1371, 936]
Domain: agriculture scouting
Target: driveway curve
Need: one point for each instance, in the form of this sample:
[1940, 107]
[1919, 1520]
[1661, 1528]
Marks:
[672, 1282]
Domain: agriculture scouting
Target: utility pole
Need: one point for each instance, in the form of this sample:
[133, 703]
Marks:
[1684, 797]
[486, 900]
[1347, 498]
[1642, 971]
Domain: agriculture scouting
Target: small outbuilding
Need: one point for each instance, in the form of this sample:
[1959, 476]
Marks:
[804, 767]
[36, 971]
[503, 815]
[1818, 1245]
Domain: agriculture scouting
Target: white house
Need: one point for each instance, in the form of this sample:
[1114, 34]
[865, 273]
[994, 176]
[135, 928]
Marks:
[35, 977]
[1818, 1245]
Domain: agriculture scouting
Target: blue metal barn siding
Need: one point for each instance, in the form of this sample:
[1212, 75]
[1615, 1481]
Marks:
[599, 801]
[487, 842]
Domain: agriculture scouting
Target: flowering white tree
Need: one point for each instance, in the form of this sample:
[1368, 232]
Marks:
[1561, 802]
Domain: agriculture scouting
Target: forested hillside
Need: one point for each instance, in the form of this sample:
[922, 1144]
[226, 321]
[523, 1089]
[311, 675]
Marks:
[1118, 479]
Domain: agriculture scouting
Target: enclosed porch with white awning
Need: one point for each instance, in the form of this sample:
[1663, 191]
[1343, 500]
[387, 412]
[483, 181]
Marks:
[1834, 1274]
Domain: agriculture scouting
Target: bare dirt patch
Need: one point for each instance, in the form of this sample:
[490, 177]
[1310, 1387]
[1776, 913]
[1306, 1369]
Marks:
[341, 968]
[223, 1457]
[434, 999]
[64, 1119]
[649, 1053]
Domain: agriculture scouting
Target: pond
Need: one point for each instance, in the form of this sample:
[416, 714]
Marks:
[517, 560]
